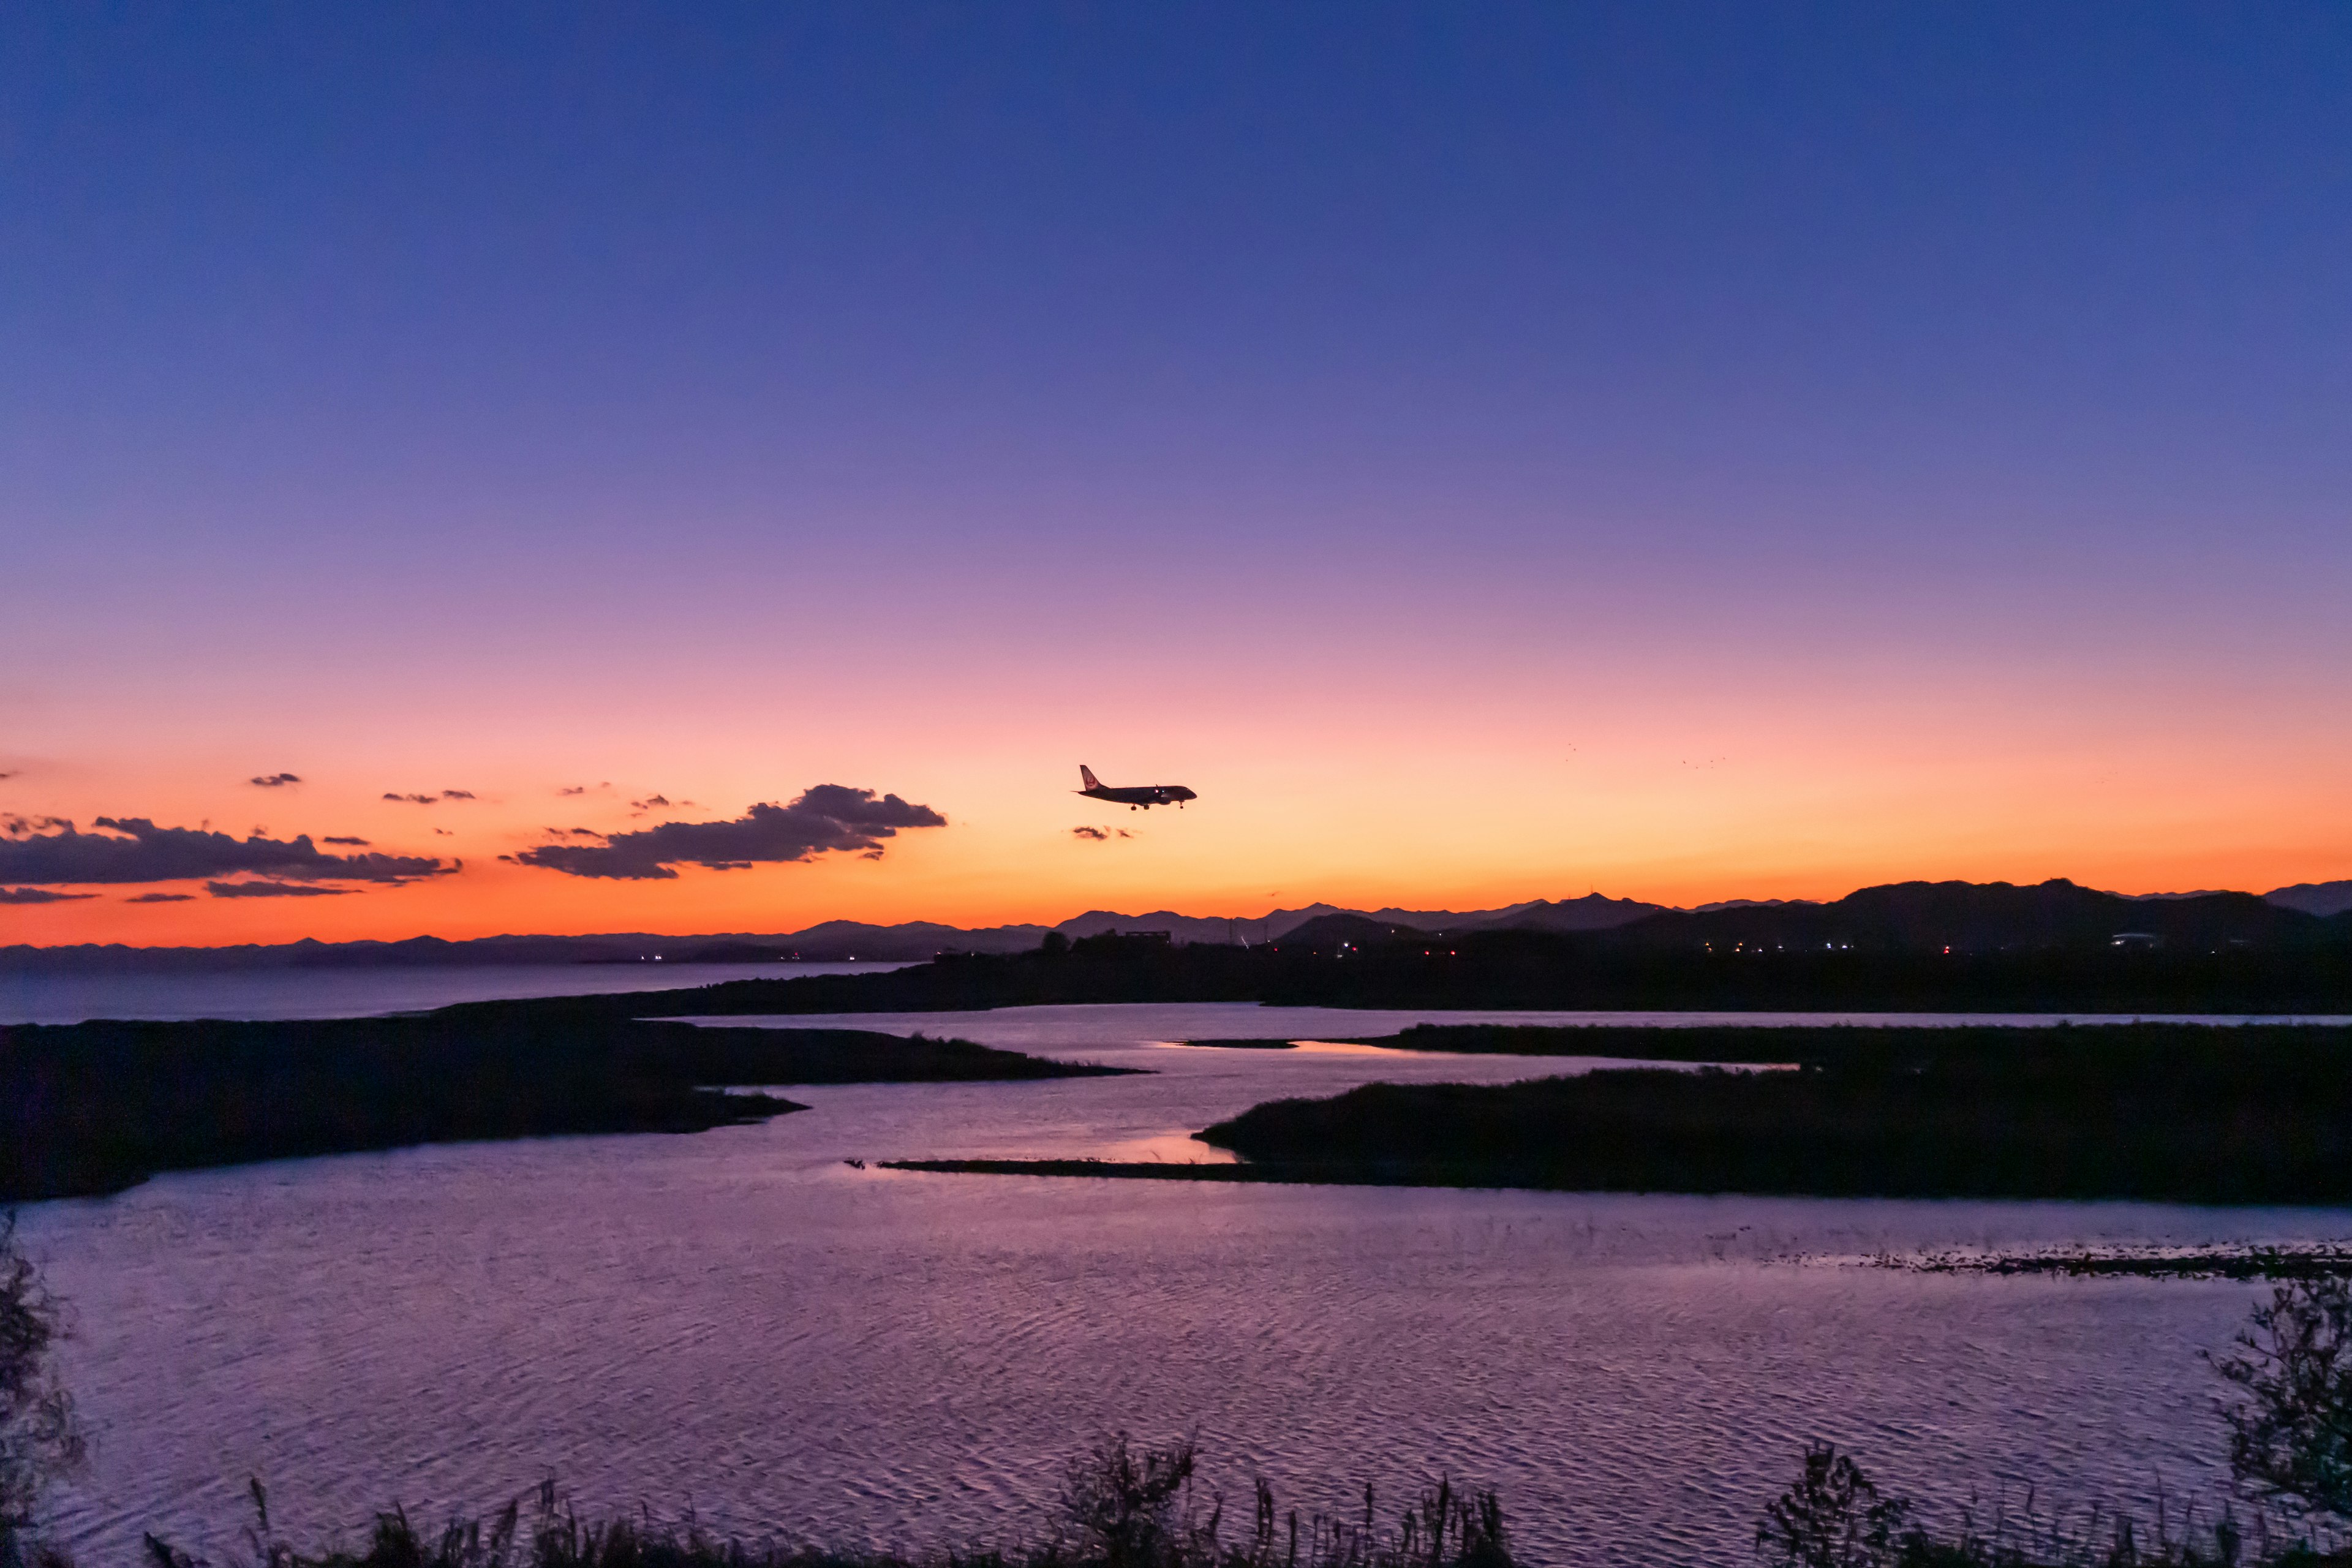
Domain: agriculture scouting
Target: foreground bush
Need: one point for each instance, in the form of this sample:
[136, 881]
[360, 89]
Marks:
[39, 1437]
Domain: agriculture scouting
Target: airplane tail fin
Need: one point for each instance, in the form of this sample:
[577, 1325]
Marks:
[1086, 777]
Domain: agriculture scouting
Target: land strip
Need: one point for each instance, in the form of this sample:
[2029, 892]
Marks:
[2250, 1114]
[93, 1107]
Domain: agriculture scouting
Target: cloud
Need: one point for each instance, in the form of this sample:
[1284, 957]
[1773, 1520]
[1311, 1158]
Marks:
[1092, 835]
[273, 890]
[425, 799]
[358, 843]
[828, 817]
[133, 850]
[574, 833]
[38, 895]
[274, 781]
[160, 898]
[582, 789]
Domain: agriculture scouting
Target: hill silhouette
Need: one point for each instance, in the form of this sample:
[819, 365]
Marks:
[1896, 916]
[1990, 916]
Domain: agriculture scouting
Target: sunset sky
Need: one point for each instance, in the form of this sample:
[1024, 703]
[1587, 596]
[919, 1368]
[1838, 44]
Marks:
[1488, 452]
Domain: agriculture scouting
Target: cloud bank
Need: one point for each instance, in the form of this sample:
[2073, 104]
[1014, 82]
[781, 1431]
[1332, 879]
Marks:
[273, 890]
[133, 850]
[38, 895]
[828, 817]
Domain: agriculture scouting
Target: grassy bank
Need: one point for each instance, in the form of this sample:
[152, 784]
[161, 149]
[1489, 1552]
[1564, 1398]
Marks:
[2154, 1111]
[2196, 1113]
[93, 1107]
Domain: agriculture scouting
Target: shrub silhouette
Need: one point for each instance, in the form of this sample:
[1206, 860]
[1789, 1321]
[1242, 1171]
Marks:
[39, 1440]
[2291, 1439]
[1832, 1517]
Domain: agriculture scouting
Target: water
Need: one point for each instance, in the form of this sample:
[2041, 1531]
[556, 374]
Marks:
[738, 1322]
[33, 998]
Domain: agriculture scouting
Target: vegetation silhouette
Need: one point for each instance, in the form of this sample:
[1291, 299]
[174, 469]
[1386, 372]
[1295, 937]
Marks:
[2291, 1437]
[93, 1107]
[2184, 1113]
[40, 1440]
[1121, 1507]
[1578, 970]
[2202, 1113]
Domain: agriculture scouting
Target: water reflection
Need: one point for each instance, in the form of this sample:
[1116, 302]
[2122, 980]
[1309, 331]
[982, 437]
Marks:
[740, 1321]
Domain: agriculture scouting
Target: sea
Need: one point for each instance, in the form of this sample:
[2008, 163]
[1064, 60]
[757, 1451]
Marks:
[759, 1329]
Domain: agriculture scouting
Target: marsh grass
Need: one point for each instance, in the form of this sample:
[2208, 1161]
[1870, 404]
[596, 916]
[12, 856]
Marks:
[1832, 1516]
[1120, 1506]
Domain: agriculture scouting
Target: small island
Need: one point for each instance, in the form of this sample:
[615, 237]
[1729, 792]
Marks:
[2168, 1112]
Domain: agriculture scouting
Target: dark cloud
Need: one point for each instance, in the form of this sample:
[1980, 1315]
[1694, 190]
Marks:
[38, 895]
[356, 843]
[445, 833]
[828, 817]
[274, 781]
[1093, 835]
[160, 899]
[457, 794]
[15, 826]
[133, 850]
[427, 799]
[273, 890]
[574, 833]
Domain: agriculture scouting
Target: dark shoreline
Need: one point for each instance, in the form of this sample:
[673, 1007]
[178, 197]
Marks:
[92, 1109]
[2244, 1114]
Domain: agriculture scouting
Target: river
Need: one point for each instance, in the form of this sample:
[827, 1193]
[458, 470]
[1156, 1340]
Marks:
[741, 1323]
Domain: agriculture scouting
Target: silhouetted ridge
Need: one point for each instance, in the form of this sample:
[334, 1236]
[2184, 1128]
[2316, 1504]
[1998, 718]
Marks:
[1987, 917]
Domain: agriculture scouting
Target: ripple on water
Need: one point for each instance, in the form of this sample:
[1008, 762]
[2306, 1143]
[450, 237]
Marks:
[738, 1321]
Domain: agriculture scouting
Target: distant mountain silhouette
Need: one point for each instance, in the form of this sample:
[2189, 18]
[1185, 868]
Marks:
[1279, 923]
[2313, 897]
[1905, 916]
[1328, 933]
[1594, 911]
[1971, 916]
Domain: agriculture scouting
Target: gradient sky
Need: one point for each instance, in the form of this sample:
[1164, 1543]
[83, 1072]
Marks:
[1489, 452]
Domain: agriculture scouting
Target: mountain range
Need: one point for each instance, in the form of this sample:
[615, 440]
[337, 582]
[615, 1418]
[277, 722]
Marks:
[1963, 915]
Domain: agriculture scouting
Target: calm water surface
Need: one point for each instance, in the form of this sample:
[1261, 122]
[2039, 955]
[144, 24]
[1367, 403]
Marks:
[738, 1322]
[28, 998]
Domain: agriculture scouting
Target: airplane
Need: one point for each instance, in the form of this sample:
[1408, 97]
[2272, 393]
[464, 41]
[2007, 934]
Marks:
[1135, 797]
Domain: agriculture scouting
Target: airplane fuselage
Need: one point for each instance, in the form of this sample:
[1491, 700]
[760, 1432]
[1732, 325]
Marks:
[1138, 797]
